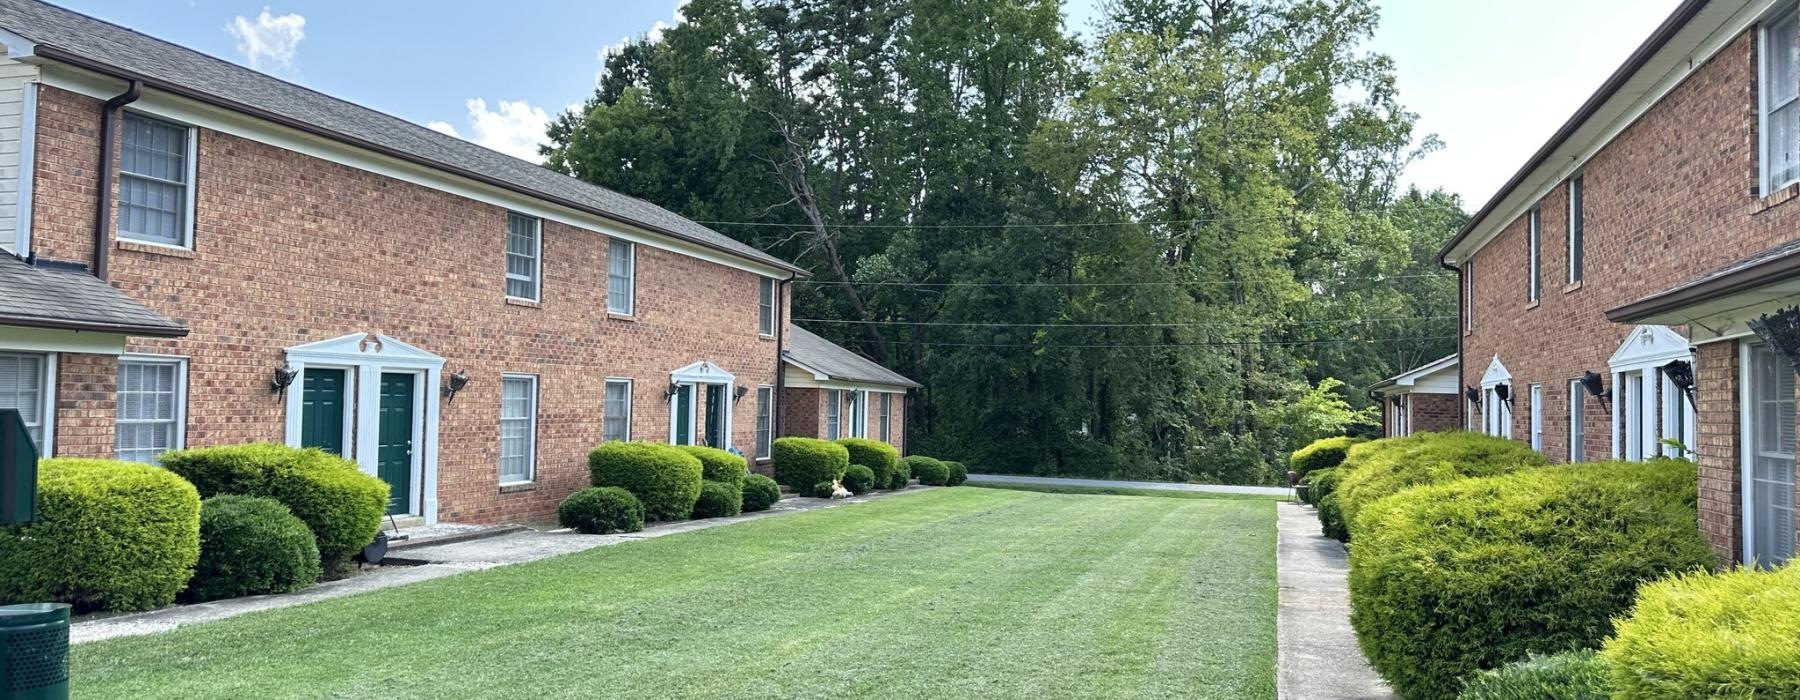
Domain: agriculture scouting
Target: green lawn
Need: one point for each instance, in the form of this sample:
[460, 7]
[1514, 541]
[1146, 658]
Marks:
[1111, 491]
[951, 593]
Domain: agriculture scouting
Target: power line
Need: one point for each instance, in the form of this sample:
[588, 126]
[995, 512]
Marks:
[1177, 324]
[1091, 224]
[1209, 344]
[890, 283]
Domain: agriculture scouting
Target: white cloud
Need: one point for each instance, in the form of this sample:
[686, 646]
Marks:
[515, 128]
[654, 35]
[269, 42]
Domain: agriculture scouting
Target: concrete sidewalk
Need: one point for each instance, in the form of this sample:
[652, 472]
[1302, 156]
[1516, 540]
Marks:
[1150, 485]
[1316, 654]
[429, 562]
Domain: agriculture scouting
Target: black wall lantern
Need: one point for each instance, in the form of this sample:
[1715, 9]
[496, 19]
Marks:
[738, 394]
[282, 379]
[1681, 374]
[1399, 400]
[1594, 385]
[1472, 394]
[1504, 393]
[452, 384]
[1781, 330]
[670, 393]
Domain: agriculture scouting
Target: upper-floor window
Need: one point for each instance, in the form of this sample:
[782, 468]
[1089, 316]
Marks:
[1780, 102]
[524, 264]
[766, 306]
[156, 174]
[621, 278]
[1577, 222]
[1535, 255]
[151, 400]
[1468, 299]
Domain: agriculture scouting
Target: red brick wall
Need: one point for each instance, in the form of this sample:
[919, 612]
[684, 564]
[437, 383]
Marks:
[291, 249]
[86, 402]
[804, 415]
[1435, 412]
[1718, 451]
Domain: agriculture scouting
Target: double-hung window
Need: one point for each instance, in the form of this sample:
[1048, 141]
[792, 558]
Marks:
[148, 419]
[616, 414]
[524, 259]
[765, 323]
[1537, 417]
[1577, 421]
[1780, 96]
[886, 413]
[1468, 299]
[24, 386]
[1577, 225]
[621, 278]
[765, 420]
[518, 428]
[1535, 253]
[834, 407]
[156, 171]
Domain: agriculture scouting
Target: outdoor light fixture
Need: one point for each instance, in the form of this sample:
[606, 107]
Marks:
[1781, 330]
[1594, 385]
[1681, 374]
[1472, 394]
[452, 384]
[1398, 400]
[1504, 393]
[282, 379]
[738, 394]
[670, 394]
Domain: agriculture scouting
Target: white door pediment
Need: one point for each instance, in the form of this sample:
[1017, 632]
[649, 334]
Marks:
[1496, 374]
[1649, 346]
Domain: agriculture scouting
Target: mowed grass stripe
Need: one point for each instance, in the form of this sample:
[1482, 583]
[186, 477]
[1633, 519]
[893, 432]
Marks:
[950, 593]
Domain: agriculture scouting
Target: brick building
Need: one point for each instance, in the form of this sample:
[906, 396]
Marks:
[1423, 399]
[1608, 288]
[830, 392]
[273, 264]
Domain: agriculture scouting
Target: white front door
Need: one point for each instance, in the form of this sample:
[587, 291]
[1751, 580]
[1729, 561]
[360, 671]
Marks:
[1768, 457]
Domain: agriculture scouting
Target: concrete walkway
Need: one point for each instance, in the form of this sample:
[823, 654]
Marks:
[427, 562]
[1316, 654]
[1151, 485]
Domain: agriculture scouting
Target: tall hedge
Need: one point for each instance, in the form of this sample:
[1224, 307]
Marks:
[340, 504]
[663, 477]
[1321, 454]
[109, 536]
[719, 465]
[1370, 475]
[1454, 578]
[878, 456]
[804, 463]
[1731, 635]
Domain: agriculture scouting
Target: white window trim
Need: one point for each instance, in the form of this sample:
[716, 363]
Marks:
[630, 399]
[834, 413]
[1578, 181]
[537, 262]
[630, 279]
[1577, 421]
[192, 166]
[47, 407]
[181, 395]
[1468, 296]
[765, 450]
[887, 417]
[27, 172]
[766, 330]
[1537, 417]
[1762, 102]
[1534, 266]
[532, 426]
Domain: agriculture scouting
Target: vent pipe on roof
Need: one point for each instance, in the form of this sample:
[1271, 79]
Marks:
[109, 114]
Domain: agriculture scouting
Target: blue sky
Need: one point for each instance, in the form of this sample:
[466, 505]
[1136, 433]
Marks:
[1493, 80]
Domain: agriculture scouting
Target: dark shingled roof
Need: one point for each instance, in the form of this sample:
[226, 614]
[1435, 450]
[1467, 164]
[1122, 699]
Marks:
[838, 363]
[72, 299]
[83, 41]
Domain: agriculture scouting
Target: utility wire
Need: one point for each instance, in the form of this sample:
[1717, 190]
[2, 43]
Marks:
[1209, 344]
[1179, 324]
[889, 283]
[1094, 224]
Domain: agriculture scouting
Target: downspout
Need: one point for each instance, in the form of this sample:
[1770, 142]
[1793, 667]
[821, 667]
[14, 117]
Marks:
[780, 358]
[103, 200]
[1462, 305]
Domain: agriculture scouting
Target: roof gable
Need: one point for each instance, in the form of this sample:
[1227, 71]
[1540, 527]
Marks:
[829, 361]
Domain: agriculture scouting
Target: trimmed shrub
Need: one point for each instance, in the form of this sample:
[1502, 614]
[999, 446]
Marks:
[1369, 475]
[1733, 635]
[804, 463]
[719, 499]
[109, 535]
[880, 457]
[663, 477]
[958, 474]
[901, 477]
[719, 465]
[600, 510]
[340, 504]
[1331, 518]
[1310, 495]
[760, 492]
[1571, 675]
[1321, 454]
[859, 479]
[928, 471]
[1450, 579]
[250, 545]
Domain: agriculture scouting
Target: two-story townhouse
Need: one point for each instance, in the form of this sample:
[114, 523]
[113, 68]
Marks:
[1605, 306]
[207, 255]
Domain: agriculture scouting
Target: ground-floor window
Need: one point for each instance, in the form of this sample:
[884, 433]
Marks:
[1537, 417]
[887, 408]
[518, 427]
[615, 422]
[854, 410]
[833, 412]
[765, 418]
[1577, 421]
[24, 386]
[151, 402]
[1768, 404]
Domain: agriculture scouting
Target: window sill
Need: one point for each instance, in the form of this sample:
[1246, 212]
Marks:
[616, 316]
[1534, 304]
[527, 303]
[518, 487]
[1777, 198]
[156, 249]
[766, 336]
[1572, 287]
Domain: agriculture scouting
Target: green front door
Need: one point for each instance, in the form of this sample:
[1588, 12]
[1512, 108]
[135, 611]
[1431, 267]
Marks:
[322, 409]
[395, 451]
[715, 415]
[684, 415]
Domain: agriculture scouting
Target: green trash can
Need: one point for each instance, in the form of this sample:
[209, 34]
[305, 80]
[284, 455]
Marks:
[34, 651]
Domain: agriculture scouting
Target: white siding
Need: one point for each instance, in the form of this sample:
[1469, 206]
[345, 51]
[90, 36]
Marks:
[14, 77]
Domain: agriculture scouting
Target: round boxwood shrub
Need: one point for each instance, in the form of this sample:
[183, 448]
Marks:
[109, 536]
[250, 545]
[600, 510]
[928, 471]
[719, 499]
[958, 474]
[1369, 475]
[664, 478]
[901, 477]
[804, 463]
[1454, 578]
[880, 457]
[760, 492]
[1731, 635]
[1571, 675]
[1321, 454]
[859, 479]
[719, 465]
[340, 504]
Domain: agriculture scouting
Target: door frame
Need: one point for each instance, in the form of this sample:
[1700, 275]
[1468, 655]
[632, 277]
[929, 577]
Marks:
[691, 378]
[415, 470]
